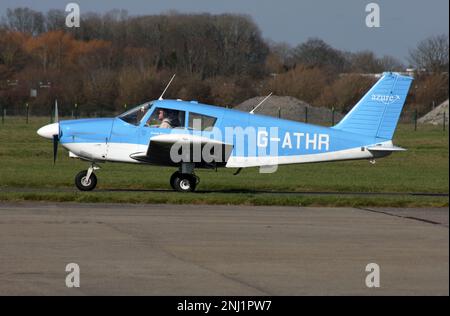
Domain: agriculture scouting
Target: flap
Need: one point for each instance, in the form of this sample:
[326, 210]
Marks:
[173, 149]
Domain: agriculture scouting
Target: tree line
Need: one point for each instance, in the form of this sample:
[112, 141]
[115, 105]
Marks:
[114, 61]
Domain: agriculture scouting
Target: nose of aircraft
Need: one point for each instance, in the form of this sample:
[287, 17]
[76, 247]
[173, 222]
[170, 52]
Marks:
[49, 130]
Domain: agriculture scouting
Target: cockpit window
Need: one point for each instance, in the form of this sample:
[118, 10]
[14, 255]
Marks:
[135, 115]
[200, 122]
[166, 118]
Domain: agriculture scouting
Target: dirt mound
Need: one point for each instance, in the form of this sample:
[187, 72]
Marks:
[436, 116]
[290, 108]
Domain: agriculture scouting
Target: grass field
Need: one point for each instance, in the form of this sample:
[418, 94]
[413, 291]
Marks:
[27, 173]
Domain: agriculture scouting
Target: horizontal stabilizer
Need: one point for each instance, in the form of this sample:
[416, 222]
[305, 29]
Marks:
[386, 149]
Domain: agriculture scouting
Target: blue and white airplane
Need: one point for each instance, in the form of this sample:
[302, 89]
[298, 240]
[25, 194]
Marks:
[189, 135]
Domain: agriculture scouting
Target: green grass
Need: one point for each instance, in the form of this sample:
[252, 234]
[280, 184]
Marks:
[26, 164]
[215, 198]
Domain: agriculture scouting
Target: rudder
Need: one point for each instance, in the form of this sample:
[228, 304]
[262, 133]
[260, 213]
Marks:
[378, 112]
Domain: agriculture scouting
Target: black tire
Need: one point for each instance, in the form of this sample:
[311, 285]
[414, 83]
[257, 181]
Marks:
[185, 183]
[172, 180]
[82, 185]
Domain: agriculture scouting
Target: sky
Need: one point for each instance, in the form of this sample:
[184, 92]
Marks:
[403, 23]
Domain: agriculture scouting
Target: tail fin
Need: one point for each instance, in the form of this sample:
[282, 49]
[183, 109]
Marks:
[378, 112]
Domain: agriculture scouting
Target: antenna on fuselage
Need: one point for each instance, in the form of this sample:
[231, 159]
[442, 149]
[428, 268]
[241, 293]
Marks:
[167, 87]
[265, 99]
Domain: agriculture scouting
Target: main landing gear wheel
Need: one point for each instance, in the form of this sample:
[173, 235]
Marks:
[172, 179]
[83, 183]
[183, 182]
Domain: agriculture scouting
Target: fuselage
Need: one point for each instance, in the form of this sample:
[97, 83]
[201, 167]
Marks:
[257, 140]
[190, 135]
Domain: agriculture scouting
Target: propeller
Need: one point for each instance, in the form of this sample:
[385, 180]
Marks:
[56, 136]
[56, 112]
[52, 131]
[55, 147]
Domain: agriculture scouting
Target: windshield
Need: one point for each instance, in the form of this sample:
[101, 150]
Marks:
[135, 115]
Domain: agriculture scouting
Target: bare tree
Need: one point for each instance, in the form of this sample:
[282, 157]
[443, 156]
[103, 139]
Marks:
[365, 62]
[431, 54]
[368, 62]
[283, 51]
[316, 53]
[389, 63]
[55, 20]
[25, 20]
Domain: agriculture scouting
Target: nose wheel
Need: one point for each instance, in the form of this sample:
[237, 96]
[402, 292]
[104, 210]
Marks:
[183, 182]
[86, 180]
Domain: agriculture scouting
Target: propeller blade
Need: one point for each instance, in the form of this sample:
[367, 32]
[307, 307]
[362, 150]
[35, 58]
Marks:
[55, 147]
[56, 112]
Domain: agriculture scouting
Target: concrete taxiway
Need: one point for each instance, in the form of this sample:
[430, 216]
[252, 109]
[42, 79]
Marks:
[221, 250]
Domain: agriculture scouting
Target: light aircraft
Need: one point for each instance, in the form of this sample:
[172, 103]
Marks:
[189, 135]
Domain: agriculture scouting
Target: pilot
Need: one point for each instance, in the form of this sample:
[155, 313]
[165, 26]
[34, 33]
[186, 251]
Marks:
[168, 118]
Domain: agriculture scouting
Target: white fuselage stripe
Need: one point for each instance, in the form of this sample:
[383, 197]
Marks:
[120, 152]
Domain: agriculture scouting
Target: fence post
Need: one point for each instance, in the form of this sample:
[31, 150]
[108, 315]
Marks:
[332, 116]
[279, 112]
[76, 111]
[3, 115]
[444, 122]
[27, 108]
[415, 120]
[306, 114]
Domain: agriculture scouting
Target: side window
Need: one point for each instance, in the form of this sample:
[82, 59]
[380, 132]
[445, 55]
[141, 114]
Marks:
[200, 122]
[166, 118]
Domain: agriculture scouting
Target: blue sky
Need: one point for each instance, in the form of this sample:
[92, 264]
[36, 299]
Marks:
[340, 23]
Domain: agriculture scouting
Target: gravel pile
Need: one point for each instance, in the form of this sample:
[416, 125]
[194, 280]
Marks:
[290, 108]
[436, 116]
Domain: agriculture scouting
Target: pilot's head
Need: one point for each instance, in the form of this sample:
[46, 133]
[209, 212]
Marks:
[161, 114]
[167, 114]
